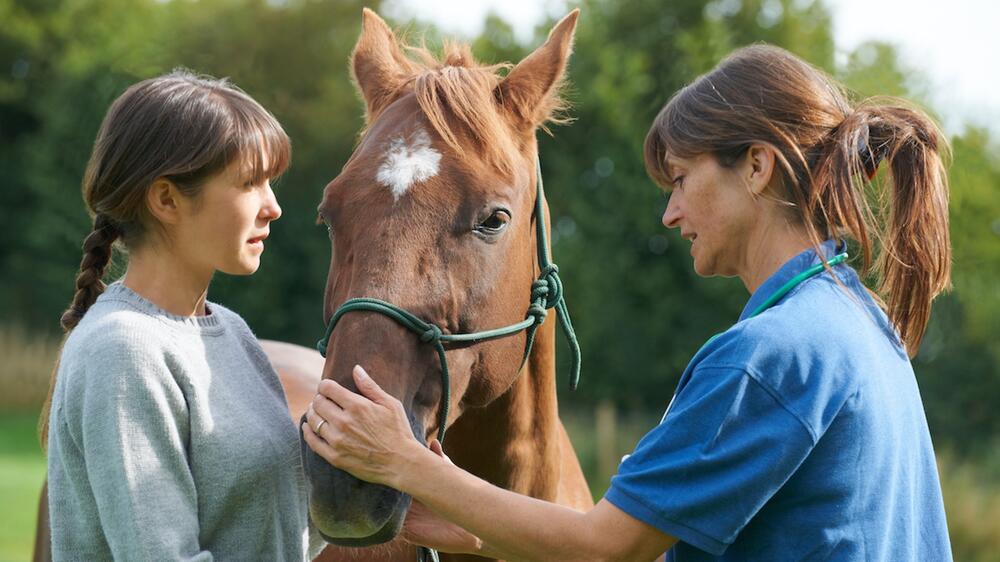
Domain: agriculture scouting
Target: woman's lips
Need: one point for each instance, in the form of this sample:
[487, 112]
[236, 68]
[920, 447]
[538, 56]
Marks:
[258, 242]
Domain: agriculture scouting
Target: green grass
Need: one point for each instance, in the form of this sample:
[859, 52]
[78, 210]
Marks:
[22, 470]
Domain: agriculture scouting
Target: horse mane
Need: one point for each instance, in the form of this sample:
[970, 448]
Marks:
[460, 95]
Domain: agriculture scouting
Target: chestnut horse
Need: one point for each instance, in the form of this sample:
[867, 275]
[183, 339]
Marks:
[434, 212]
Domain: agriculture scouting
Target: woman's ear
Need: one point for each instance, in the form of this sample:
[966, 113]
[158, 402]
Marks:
[760, 160]
[163, 201]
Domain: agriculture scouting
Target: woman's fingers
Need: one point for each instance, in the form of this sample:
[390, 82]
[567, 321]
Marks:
[368, 391]
[424, 527]
[435, 447]
[369, 388]
[365, 434]
[318, 444]
[336, 393]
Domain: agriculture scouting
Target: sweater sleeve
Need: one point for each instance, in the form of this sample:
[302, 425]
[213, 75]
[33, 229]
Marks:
[128, 416]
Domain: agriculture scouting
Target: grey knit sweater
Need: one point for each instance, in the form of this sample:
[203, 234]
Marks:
[170, 439]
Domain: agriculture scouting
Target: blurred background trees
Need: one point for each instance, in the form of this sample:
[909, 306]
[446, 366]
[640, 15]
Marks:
[638, 307]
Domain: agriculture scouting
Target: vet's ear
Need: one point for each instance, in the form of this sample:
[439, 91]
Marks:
[378, 66]
[759, 167]
[530, 93]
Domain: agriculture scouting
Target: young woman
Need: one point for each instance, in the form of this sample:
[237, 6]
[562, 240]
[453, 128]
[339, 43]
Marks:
[798, 433]
[168, 434]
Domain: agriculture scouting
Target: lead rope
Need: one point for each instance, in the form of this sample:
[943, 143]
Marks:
[546, 293]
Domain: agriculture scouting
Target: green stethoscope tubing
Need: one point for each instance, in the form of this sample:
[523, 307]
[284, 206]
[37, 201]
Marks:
[796, 281]
[773, 299]
[788, 286]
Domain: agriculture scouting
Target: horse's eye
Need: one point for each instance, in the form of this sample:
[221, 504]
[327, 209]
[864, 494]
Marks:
[496, 222]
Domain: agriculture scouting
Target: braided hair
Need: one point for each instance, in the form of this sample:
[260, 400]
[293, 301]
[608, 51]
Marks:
[97, 247]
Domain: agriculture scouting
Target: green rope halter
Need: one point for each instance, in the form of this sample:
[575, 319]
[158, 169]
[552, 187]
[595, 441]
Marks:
[546, 293]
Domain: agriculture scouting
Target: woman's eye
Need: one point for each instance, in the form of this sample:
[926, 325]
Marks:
[496, 222]
[678, 181]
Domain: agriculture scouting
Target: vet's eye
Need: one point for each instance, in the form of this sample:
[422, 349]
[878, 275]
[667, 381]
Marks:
[495, 223]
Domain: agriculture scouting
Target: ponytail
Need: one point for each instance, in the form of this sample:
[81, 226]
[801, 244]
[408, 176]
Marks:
[828, 152]
[97, 249]
[908, 226]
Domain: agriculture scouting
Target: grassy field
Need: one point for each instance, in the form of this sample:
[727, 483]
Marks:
[22, 470]
[971, 490]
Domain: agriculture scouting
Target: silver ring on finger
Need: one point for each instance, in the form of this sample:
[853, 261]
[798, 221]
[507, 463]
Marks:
[319, 426]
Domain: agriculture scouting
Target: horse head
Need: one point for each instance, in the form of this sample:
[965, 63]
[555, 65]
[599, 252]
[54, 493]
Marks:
[434, 213]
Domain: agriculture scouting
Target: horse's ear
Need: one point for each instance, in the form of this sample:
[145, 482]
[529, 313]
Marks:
[530, 93]
[378, 66]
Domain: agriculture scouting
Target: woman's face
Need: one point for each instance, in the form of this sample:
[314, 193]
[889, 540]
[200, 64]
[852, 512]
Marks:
[224, 227]
[713, 208]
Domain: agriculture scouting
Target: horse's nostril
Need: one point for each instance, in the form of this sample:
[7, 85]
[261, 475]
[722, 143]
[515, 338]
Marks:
[350, 512]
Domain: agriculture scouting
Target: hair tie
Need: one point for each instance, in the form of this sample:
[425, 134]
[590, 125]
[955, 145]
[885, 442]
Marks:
[105, 223]
[871, 156]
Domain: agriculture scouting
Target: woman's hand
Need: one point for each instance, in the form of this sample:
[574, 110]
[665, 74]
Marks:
[425, 528]
[366, 434]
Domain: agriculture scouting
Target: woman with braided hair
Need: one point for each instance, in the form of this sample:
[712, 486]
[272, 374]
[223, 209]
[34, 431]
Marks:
[796, 434]
[168, 433]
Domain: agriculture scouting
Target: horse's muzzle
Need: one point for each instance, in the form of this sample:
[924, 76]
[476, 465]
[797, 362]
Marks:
[347, 511]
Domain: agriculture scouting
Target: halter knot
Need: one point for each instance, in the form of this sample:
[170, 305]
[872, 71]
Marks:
[431, 334]
[548, 286]
[539, 312]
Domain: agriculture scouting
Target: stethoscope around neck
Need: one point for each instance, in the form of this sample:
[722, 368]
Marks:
[787, 287]
[773, 299]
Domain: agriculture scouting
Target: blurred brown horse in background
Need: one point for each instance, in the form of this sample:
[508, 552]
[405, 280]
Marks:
[434, 212]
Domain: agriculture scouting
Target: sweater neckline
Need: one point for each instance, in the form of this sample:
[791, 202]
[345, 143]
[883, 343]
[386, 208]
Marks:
[119, 292]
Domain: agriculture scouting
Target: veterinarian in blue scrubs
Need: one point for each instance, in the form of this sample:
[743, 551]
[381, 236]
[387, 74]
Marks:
[796, 434]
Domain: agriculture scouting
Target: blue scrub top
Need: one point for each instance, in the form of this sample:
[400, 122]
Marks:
[797, 434]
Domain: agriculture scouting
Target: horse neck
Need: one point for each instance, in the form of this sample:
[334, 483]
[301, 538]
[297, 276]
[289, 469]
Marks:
[514, 442]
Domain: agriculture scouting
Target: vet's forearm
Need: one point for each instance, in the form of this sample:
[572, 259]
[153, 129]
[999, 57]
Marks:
[511, 526]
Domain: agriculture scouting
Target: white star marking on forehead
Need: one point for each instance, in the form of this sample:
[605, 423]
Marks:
[406, 164]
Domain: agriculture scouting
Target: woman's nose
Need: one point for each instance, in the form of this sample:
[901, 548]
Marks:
[271, 210]
[672, 213]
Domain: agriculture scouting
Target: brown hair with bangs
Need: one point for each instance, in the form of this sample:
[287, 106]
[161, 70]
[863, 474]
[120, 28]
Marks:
[828, 151]
[181, 127]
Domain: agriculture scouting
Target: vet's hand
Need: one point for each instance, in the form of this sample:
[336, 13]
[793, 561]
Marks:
[425, 528]
[366, 434]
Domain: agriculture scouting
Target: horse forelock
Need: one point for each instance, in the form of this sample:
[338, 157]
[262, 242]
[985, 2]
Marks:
[461, 101]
